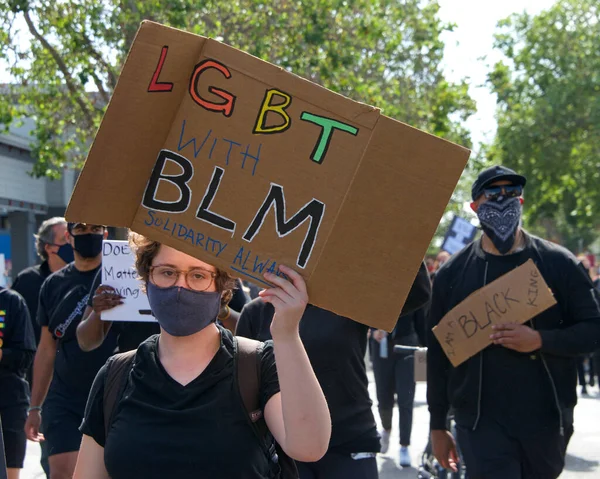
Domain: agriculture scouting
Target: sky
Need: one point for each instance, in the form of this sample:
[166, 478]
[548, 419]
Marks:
[469, 51]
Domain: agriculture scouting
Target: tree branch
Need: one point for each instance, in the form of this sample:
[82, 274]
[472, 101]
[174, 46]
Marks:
[103, 93]
[62, 67]
[112, 76]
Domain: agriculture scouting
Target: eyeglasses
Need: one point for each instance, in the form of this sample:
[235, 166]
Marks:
[509, 191]
[197, 279]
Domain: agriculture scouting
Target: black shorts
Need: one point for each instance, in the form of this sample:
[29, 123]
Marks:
[13, 430]
[61, 422]
[335, 465]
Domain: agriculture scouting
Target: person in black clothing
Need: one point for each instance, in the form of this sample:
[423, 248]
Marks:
[63, 373]
[513, 402]
[54, 250]
[336, 347]
[17, 347]
[395, 375]
[180, 412]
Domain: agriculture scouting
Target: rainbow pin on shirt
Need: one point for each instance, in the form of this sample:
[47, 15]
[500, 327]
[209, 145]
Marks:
[2, 315]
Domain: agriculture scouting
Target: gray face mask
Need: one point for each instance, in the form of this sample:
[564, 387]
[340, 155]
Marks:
[500, 220]
[183, 312]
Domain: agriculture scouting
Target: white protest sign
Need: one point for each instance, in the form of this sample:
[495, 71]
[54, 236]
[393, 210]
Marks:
[459, 235]
[118, 271]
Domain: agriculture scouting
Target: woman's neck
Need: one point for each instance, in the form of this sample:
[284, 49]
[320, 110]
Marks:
[185, 357]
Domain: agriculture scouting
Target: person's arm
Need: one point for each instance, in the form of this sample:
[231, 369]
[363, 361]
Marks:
[18, 355]
[438, 368]
[90, 460]
[43, 369]
[438, 365]
[580, 306]
[92, 331]
[583, 313]
[298, 416]
[420, 291]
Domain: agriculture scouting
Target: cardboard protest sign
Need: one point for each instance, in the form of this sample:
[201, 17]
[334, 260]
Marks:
[459, 235]
[246, 166]
[516, 297]
[421, 365]
[118, 271]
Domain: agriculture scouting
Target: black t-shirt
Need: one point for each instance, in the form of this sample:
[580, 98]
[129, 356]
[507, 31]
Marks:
[17, 343]
[130, 334]
[63, 299]
[163, 429]
[28, 284]
[529, 408]
[336, 348]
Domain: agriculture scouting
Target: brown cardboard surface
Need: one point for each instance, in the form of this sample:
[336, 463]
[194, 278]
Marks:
[421, 365]
[372, 196]
[516, 297]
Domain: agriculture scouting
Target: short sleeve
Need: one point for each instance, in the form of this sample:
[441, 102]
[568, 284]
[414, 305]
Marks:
[244, 325]
[269, 382]
[24, 336]
[93, 419]
[94, 287]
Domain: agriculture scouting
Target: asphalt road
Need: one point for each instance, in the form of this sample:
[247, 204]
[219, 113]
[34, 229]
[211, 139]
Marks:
[582, 460]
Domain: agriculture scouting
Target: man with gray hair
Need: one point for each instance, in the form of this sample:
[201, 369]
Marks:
[55, 252]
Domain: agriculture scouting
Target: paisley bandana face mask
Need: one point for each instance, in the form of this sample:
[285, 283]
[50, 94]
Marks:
[500, 220]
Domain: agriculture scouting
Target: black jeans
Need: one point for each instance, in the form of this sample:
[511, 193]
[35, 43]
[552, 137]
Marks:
[395, 375]
[494, 452]
[339, 466]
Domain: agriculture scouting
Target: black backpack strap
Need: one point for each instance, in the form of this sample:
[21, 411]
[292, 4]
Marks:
[247, 378]
[117, 373]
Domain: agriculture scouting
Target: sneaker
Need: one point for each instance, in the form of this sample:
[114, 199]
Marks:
[384, 439]
[584, 392]
[404, 457]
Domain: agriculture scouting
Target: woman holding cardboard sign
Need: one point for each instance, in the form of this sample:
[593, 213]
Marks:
[182, 411]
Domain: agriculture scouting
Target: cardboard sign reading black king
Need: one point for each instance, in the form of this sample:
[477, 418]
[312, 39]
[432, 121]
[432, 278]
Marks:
[246, 166]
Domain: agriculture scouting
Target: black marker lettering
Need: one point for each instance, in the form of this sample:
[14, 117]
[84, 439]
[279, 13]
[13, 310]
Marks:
[312, 211]
[180, 181]
[204, 213]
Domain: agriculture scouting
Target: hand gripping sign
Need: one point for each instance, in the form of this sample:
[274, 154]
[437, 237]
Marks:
[118, 271]
[515, 297]
[247, 166]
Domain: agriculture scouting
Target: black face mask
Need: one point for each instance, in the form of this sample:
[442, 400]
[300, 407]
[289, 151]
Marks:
[500, 221]
[88, 245]
[65, 252]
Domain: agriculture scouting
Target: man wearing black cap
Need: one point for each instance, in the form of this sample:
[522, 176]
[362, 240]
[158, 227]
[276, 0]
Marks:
[513, 402]
[62, 372]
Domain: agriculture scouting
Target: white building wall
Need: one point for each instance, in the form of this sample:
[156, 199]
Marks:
[17, 184]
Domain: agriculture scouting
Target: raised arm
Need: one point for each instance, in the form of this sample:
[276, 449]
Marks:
[298, 416]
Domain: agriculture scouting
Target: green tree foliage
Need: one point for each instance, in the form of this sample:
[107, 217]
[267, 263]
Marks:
[549, 116]
[383, 53]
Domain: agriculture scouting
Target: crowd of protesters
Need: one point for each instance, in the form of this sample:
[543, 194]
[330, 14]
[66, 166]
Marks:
[222, 386]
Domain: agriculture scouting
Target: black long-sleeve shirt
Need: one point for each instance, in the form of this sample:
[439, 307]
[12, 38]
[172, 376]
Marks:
[514, 388]
[17, 343]
[28, 284]
[336, 347]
